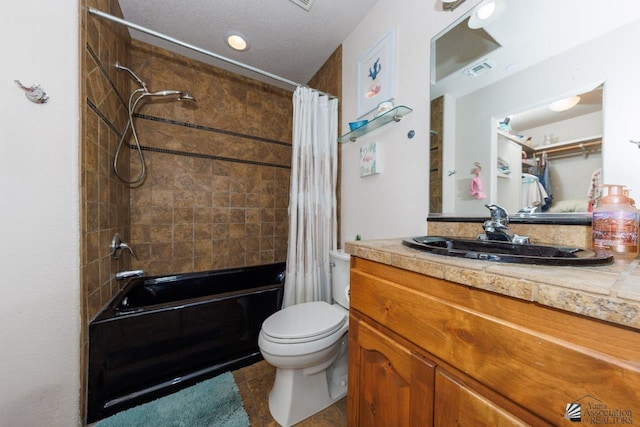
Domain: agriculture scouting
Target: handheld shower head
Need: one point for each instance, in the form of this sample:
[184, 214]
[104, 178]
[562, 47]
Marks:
[182, 95]
[186, 96]
[137, 96]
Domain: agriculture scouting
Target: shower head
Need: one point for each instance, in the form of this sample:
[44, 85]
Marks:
[182, 95]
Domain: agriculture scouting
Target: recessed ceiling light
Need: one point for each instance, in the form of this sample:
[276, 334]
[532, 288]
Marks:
[236, 41]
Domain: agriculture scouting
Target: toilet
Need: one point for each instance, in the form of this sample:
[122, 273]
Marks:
[307, 343]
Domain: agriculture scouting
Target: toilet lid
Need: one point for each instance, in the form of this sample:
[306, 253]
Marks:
[304, 322]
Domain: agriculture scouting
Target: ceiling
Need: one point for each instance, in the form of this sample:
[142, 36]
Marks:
[285, 39]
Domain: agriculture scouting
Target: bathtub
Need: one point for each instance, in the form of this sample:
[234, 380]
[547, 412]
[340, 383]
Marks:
[161, 334]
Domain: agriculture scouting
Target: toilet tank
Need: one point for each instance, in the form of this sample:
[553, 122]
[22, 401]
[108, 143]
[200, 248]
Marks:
[340, 266]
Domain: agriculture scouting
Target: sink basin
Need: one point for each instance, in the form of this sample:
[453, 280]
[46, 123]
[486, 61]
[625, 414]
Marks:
[490, 250]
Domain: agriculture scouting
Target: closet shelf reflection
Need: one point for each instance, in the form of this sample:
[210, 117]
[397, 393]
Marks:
[395, 115]
[583, 146]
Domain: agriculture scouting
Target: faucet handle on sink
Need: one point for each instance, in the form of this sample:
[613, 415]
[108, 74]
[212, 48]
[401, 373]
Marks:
[499, 215]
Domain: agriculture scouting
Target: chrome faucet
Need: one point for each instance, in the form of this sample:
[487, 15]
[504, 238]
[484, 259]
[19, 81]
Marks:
[497, 228]
[117, 245]
[526, 211]
[121, 275]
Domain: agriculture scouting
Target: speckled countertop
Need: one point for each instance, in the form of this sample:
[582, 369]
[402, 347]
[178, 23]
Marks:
[610, 293]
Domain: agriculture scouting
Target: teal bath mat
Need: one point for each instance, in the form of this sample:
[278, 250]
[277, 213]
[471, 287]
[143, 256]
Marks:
[211, 403]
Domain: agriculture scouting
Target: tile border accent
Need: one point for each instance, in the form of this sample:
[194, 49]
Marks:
[105, 73]
[209, 156]
[104, 118]
[187, 154]
[210, 129]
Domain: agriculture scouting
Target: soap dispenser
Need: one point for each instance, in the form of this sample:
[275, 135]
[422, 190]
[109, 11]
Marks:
[615, 223]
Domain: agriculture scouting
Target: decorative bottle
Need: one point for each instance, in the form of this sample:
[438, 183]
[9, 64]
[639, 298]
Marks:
[615, 223]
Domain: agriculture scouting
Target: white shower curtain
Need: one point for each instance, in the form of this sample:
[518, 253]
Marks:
[312, 200]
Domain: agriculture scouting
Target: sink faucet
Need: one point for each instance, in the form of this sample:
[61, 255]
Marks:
[526, 211]
[497, 228]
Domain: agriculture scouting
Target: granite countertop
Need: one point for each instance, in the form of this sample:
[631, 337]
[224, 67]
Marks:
[610, 293]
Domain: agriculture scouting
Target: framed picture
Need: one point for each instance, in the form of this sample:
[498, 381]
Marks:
[377, 75]
[370, 160]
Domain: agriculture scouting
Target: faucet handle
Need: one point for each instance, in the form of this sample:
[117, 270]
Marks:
[117, 245]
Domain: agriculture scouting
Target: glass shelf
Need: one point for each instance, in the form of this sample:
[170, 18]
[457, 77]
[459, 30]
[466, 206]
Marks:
[395, 115]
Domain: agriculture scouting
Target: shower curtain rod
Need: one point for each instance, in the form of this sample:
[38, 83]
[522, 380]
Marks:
[101, 14]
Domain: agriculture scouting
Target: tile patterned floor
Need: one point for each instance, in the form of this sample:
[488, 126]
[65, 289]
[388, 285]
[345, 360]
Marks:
[255, 382]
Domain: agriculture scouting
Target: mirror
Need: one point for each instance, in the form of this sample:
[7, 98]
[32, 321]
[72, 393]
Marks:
[490, 92]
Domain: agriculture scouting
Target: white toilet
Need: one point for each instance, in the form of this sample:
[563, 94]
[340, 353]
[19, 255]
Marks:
[307, 343]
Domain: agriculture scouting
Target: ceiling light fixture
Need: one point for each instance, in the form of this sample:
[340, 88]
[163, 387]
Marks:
[564, 104]
[486, 13]
[236, 41]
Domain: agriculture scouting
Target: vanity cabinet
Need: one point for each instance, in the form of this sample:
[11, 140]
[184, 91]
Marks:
[425, 351]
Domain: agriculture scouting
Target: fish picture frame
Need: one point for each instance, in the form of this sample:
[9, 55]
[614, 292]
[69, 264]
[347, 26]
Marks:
[376, 75]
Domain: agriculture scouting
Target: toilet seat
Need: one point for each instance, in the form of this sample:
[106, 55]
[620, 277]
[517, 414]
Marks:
[304, 322]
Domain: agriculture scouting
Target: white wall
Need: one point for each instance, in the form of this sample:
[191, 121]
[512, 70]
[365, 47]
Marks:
[395, 202]
[39, 219]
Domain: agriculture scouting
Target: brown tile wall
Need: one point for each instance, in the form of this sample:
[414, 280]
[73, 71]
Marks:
[217, 185]
[104, 201]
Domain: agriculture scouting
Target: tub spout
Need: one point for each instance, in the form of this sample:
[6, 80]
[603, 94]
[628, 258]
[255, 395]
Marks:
[121, 275]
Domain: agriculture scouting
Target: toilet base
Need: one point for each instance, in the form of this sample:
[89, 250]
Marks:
[298, 394]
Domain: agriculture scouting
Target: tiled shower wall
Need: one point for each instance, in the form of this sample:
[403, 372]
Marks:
[104, 201]
[217, 185]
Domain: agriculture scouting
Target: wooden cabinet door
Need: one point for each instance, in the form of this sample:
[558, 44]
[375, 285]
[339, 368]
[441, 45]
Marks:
[458, 405]
[389, 385]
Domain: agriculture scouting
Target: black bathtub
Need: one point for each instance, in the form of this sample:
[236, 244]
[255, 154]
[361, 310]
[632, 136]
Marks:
[160, 334]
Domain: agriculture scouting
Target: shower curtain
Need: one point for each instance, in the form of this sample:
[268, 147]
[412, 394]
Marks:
[312, 200]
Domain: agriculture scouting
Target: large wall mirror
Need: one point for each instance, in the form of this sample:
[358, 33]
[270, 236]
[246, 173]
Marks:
[495, 88]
